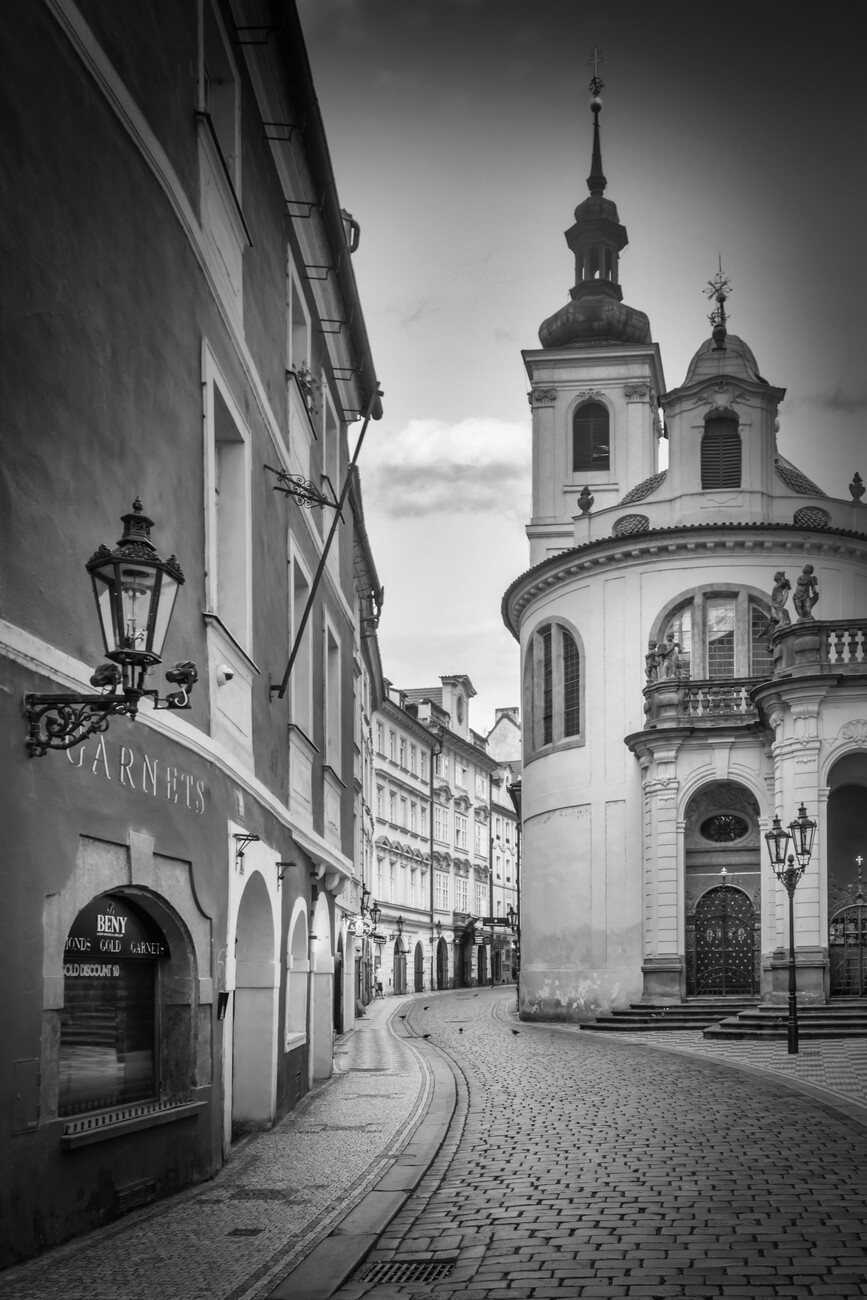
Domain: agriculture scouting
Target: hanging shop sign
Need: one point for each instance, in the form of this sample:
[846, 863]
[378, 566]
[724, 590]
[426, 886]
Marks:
[153, 778]
[109, 928]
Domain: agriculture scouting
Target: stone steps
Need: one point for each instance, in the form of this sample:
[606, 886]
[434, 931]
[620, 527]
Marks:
[835, 1020]
[696, 1014]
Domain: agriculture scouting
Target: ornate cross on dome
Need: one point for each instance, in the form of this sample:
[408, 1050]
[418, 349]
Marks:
[719, 288]
[596, 82]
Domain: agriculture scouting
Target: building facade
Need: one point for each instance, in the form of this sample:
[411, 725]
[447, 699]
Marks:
[187, 335]
[681, 687]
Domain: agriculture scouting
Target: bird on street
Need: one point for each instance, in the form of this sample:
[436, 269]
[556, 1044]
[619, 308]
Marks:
[425, 1035]
[516, 1031]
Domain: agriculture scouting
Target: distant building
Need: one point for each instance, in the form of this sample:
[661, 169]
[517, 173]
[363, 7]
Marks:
[681, 688]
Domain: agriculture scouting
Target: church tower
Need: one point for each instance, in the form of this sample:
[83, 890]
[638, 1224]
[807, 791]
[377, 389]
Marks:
[596, 380]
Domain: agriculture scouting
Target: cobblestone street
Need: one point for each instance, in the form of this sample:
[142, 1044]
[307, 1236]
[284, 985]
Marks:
[582, 1167]
[545, 1162]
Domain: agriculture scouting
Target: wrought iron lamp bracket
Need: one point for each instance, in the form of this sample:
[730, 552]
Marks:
[242, 841]
[61, 721]
[301, 489]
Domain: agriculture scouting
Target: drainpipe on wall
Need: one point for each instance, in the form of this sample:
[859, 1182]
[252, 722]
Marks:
[433, 751]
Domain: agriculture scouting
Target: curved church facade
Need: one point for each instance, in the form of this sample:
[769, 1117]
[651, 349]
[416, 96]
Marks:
[681, 686]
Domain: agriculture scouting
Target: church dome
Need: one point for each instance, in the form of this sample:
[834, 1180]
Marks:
[592, 320]
[734, 359]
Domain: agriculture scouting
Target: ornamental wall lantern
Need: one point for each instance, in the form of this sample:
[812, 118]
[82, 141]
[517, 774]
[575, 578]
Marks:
[135, 593]
[800, 833]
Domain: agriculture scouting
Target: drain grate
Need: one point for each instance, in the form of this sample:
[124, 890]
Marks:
[395, 1271]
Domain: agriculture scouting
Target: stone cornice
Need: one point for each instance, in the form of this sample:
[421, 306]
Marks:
[673, 542]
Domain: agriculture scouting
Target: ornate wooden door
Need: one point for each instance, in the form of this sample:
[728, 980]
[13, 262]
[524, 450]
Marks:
[724, 943]
[847, 949]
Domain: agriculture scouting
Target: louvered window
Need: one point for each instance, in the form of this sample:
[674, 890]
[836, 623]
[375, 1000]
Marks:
[590, 438]
[721, 454]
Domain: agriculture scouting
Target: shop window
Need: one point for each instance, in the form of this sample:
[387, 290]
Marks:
[109, 1029]
[591, 444]
[721, 454]
[553, 687]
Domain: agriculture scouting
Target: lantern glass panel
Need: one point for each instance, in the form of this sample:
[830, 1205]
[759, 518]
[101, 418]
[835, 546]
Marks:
[137, 588]
[162, 616]
[104, 591]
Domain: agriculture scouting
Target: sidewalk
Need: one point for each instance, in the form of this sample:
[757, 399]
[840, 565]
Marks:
[282, 1192]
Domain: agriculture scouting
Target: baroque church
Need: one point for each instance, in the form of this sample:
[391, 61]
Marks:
[682, 687]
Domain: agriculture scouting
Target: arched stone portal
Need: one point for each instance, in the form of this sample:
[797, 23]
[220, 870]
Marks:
[254, 1021]
[442, 964]
[418, 968]
[722, 912]
[846, 876]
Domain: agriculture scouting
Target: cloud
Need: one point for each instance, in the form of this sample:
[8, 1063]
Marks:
[846, 403]
[477, 465]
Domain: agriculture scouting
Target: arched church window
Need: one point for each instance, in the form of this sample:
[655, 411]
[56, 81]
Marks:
[591, 446]
[553, 687]
[721, 453]
[722, 635]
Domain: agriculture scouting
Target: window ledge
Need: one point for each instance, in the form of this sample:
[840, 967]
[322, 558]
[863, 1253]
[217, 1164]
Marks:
[103, 1125]
[293, 1040]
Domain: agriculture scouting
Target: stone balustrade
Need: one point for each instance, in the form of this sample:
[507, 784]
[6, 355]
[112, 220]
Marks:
[814, 646]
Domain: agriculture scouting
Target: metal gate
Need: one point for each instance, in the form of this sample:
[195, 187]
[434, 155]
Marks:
[847, 950]
[725, 923]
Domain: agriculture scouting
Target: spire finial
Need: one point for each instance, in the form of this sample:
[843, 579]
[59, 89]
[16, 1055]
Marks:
[719, 288]
[596, 181]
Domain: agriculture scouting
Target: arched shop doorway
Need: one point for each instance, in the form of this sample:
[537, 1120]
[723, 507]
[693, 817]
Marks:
[254, 1014]
[418, 969]
[482, 963]
[110, 1030]
[337, 991]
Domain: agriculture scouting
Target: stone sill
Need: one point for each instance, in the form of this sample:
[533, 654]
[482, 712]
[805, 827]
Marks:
[108, 1128]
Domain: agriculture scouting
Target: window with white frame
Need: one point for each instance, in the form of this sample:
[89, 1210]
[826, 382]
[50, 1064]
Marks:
[392, 807]
[380, 738]
[460, 831]
[498, 862]
[331, 666]
[392, 886]
[481, 839]
[423, 759]
[392, 746]
[221, 92]
[461, 894]
[441, 823]
[442, 766]
[462, 773]
[380, 876]
[330, 446]
[481, 894]
[441, 891]
[402, 758]
[229, 525]
[302, 672]
[413, 883]
[553, 687]
[298, 330]
[380, 801]
[481, 785]
[413, 817]
[413, 759]
[404, 821]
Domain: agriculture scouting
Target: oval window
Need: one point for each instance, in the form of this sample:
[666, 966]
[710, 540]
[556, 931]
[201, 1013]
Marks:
[722, 828]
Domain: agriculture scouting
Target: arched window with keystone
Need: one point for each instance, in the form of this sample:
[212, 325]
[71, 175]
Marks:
[591, 441]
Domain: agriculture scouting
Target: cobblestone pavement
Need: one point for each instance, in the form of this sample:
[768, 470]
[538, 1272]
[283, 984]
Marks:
[580, 1166]
[281, 1192]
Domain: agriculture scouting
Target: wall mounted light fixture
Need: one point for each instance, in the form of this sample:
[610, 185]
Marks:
[135, 592]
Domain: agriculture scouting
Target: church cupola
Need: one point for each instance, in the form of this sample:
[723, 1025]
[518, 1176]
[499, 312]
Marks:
[596, 314]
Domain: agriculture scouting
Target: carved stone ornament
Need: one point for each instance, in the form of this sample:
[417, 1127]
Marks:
[542, 396]
[855, 731]
[722, 395]
[591, 395]
[636, 392]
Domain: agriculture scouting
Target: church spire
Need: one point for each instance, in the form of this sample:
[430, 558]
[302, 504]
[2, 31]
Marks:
[597, 314]
[596, 181]
[719, 288]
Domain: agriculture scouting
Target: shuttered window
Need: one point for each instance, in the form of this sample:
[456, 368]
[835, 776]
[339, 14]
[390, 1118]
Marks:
[591, 447]
[721, 454]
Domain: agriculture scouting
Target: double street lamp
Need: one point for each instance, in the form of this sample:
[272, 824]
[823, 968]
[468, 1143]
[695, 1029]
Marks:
[788, 871]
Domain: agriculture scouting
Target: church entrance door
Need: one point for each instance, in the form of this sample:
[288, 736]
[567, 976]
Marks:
[725, 925]
[847, 950]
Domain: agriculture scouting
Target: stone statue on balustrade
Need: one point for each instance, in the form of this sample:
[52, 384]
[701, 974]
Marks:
[806, 593]
[672, 665]
[651, 661]
[779, 614]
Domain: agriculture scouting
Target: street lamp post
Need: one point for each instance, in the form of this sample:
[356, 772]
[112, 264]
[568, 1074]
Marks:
[800, 833]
